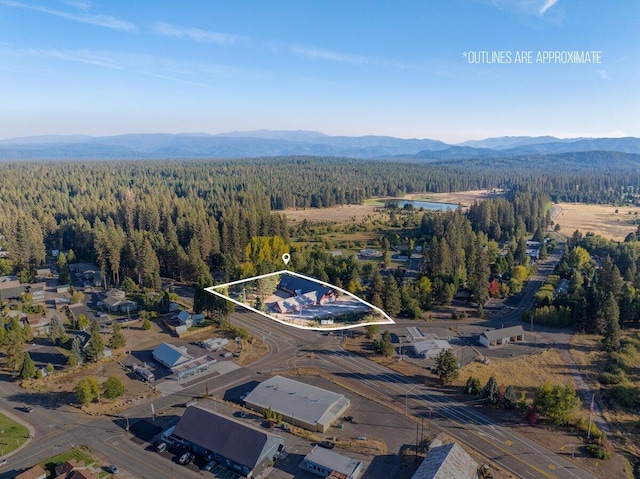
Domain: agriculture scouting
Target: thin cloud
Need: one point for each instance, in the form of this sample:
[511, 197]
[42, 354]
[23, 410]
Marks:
[77, 56]
[603, 74]
[197, 34]
[529, 7]
[79, 4]
[319, 54]
[106, 21]
[185, 72]
[547, 5]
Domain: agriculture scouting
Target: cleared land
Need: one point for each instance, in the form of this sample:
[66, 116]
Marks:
[355, 213]
[599, 219]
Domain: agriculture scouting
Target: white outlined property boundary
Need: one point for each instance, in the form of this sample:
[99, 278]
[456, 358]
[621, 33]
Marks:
[327, 327]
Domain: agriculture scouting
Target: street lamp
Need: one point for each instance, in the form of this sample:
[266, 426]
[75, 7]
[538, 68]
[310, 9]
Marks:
[406, 398]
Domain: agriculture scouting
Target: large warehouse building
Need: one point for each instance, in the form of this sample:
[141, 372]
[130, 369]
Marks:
[300, 404]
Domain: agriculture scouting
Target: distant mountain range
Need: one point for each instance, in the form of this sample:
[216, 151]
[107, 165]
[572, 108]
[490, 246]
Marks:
[288, 143]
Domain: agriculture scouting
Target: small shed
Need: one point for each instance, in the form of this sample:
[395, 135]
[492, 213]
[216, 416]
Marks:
[326, 463]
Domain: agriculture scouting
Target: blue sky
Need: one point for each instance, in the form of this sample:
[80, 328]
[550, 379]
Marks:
[343, 67]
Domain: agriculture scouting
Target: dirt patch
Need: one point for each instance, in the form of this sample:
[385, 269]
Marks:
[63, 383]
[599, 219]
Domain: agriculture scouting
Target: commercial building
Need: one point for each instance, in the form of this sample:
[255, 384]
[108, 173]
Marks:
[326, 463]
[448, 461]
[502, 337]
[235, 445]
[300, 404]
[430, 348]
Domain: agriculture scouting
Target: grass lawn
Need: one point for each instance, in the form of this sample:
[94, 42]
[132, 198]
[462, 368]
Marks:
[13, 434]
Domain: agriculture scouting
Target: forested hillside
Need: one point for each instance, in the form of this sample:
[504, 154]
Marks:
[185, 219]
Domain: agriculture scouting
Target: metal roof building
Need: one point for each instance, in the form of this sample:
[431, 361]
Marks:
[239, 447]
[171, 356]
[300, 404]
[448, 461]
[430, 348]
[324, 462]
[502, 337]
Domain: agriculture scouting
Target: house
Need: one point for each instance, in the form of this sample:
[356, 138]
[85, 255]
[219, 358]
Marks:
[240, 447]
[63, 288]
[115, 301]
[189, 319]
[73, 469]
[448, 461]
[43, 273]
[36, 290]
[170, 355]
[304, 293]
[11, 289]
[300, 404]
[326, 463]
[370, 254]
[39, 324]
[501, 337]
[36, 472]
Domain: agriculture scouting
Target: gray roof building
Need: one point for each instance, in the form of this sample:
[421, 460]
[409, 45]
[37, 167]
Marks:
[324, 462]
[300, 404]
[237, 446]
[448, 461]
[502, 337]
[11, 289]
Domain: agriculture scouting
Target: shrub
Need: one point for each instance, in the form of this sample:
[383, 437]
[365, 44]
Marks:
[625, 396]
[598, 452]
[611, 378]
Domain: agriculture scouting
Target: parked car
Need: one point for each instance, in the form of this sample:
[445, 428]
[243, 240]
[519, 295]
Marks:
[27, 408]
[348, 418]
[161, 447]
[113, 469]
[327, 444]
[184, 459]
[210, 465]
[3, 462]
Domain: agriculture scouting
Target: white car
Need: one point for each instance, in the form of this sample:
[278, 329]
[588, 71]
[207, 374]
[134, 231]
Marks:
[3, 462]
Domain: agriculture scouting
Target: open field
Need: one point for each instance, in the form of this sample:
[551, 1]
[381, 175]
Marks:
[598, 219]
[593, 362]
[355, 213]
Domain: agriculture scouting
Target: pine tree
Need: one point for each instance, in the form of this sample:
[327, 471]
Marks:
[491, 391]
[447, 367]
[28, 369]
[391, 296]
[117, 339]
[76, 350]
[611, 314]
[56, 329]
[95, 347]
[14, 353]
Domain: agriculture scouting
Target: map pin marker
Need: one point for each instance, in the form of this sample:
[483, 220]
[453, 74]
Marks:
[286, 258]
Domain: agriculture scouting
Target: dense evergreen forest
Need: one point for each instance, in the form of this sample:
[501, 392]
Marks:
[189, 219]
